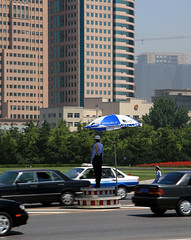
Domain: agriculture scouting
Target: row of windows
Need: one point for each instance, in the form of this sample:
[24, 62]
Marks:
[23, 71]
[64, 100]
[105, 77]
[23, 55]
[23, 86]
[100, 23]
[61, 7]
[98, 30]
[100, 46]
[25, 47]
[5, 15]
[23, 63]
[20, 11]
[31, 108]
[108, 39]
[75, 115]
[23, 79]
[23, 94]
[58, 22]
[32, 1]
[127, 79]
[98, 92]
[98, 69]
[96, 84]
[23, 116]
[26, 40]
[22, 40]
[128, 4]
[98, 62]
[96, 54]
[100, 15]
[98, 7]
[52, 115]
[127, 86]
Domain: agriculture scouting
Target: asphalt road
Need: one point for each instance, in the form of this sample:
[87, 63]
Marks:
[128, 222]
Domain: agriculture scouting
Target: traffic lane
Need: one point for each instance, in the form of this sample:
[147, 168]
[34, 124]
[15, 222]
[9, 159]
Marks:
[115, 224]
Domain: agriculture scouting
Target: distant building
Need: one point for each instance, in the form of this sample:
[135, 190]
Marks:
[181, 97]
[166, 75]
[93, 109]
[158, 58]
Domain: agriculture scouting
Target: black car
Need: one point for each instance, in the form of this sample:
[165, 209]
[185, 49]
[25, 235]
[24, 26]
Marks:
[39, 186]
[12, 214]
[172, 191]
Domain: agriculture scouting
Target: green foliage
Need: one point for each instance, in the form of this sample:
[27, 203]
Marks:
[165, 112]
[43, 145]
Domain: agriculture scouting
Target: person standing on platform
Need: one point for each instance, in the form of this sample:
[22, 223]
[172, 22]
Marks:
[96, 159]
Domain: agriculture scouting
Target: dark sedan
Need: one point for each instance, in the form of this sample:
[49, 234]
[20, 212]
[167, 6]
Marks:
[40, 186]
[172, 191]
[12, 214]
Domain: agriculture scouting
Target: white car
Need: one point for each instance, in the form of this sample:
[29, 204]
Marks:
[125, 184]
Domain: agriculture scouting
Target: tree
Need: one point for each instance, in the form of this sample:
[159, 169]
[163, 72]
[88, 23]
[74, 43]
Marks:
[165, 112]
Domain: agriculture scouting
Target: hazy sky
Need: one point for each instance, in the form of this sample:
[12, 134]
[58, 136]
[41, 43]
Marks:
[163, 19]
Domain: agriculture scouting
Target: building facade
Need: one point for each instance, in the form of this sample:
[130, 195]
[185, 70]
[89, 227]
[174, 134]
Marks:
[91, 51]
[132, 107]
[158, 58]
[23, 59]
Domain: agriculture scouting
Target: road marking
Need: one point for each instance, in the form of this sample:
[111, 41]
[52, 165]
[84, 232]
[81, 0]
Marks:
[43, 211]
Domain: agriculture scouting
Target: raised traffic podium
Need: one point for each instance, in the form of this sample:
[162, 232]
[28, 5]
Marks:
[103, 197]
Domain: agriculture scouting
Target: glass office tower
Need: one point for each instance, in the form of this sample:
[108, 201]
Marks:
[91, 51]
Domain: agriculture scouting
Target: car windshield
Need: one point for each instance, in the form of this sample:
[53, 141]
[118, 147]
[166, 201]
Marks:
[170, 178]
[8, 177]
[73, 173]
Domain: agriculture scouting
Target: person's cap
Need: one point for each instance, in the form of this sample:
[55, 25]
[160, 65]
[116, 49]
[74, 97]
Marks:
[97, 137]
[157, 167]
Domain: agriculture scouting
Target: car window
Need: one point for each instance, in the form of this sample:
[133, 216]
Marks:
[119, 175]
[170, 178]
[73, 173]
[107, 173]
[55, 177]
[89, 174]
[44, 176]
[8, 177]
[27, 177]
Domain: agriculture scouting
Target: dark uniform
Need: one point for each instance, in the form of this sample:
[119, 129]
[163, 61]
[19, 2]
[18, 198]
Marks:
[96, 160]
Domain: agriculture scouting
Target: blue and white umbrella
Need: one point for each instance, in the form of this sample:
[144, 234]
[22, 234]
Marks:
[113, 122]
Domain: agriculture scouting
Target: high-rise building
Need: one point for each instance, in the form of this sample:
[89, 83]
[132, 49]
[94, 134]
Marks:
[91, 51]
[23, 59]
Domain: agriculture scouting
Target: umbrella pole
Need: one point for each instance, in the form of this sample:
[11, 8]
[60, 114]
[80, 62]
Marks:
[114, 145]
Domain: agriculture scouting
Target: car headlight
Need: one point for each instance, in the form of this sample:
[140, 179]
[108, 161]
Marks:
[22, 207]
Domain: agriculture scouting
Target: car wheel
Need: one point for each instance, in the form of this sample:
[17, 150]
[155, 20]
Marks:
[158, 211]
[5, 223]
[122, 192]
[67, 198]
[184, 207]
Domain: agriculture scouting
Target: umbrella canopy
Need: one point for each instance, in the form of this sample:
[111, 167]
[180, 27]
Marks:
[112, 122]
